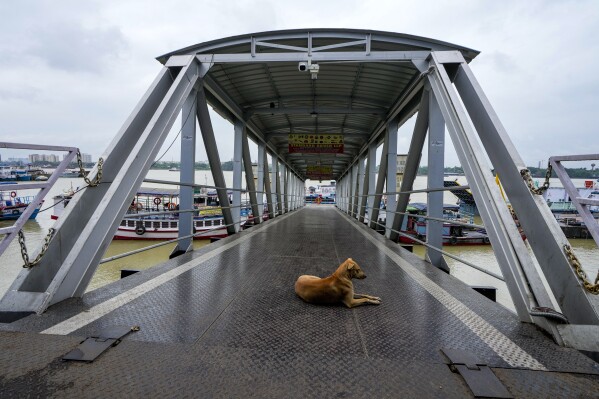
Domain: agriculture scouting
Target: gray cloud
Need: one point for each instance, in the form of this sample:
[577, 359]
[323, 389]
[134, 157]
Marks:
[72, 71]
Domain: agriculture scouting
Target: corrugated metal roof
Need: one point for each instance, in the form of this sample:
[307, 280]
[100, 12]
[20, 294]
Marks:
[259, 75]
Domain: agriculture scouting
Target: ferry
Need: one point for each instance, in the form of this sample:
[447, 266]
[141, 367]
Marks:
[13, 173]
[140, 224]
[12, 205]
[321, 194]
[559, 201]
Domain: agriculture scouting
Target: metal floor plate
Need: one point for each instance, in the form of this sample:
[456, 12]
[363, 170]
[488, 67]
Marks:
[231, 325]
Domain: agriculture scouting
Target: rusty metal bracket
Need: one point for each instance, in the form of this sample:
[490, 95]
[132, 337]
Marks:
[94, 346]
[478, 376]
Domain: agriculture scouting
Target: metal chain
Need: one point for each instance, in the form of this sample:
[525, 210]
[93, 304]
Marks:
[82, 171]
[531, 185]
[24, 254]
[575, 263]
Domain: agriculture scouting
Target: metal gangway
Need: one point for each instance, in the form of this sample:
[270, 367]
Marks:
[362, 85]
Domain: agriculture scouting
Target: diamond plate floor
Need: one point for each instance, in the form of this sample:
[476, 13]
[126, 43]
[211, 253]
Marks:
[224, 321]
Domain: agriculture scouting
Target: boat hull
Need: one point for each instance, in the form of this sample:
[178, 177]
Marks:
[124, 233]
[15, 213]
[483, 239]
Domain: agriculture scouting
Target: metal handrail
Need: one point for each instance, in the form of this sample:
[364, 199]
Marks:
[160, 244]
[459, 259]
[478, 226]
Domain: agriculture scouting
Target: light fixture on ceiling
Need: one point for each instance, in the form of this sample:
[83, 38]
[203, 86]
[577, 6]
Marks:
[313, 114]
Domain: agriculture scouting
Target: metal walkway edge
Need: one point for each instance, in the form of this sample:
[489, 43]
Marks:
[224, 321]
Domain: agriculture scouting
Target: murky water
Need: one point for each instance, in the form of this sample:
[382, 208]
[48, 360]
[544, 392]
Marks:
[35, 231]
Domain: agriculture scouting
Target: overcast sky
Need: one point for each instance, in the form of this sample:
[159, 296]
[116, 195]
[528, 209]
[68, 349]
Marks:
[72, 71]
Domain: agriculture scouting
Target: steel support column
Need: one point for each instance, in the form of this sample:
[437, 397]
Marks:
[187, 175]
[214, 159]
[351, 176]
[412, 162]
[380, 184]
[542, 231]
[237, 175]
[358, 197]
[436, 164]
[392, 128]
[371, 187]
[88, 224]
[277, 179]
[261, 178]
[249, 176]
[502, 232]
[270, 196]
[286, 187]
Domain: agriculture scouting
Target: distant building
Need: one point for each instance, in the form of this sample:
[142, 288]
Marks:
[21, 161]
[85, 158]
[43, 158]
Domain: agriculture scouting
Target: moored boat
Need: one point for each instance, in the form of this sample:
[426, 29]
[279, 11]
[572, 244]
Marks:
[559, 201]
[453, 234]
[142, 223]
[12, 205]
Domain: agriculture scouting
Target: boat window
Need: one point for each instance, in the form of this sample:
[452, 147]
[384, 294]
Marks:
[217, 222]
[208, 223]
[130, 223]
[199, 223]
[147, 225]
[123, 222]
[156, 225]
[173, 225]
[165, 225]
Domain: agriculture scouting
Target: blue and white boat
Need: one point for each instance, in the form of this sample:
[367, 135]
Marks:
[12, 205]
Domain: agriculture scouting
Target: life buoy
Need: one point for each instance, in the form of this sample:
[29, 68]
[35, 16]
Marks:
[139, 206]
[486, 240]
[13, 194]
[140, 230]
[157, 200]
[453, 240]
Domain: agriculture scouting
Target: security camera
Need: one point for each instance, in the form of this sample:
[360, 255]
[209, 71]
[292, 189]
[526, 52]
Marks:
[302, 66]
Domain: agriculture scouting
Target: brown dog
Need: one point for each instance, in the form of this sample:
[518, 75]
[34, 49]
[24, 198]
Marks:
[336, 288]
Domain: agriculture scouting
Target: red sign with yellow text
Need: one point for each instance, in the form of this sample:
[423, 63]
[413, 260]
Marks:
[319, 172]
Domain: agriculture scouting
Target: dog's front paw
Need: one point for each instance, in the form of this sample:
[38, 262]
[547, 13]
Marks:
[375, 301]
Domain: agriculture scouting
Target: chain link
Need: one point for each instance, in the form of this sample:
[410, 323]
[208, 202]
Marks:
[575, 263]
[531, 185]
[82, 171]
[24, 253]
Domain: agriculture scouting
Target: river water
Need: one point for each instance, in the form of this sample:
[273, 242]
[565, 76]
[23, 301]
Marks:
[480, 255]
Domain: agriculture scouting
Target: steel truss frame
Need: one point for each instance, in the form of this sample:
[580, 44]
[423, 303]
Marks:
[444, 84]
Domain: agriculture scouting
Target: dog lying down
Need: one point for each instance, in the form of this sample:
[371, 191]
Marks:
[336, 288]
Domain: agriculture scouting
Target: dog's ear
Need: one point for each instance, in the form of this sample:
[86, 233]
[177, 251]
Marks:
[350, 264]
